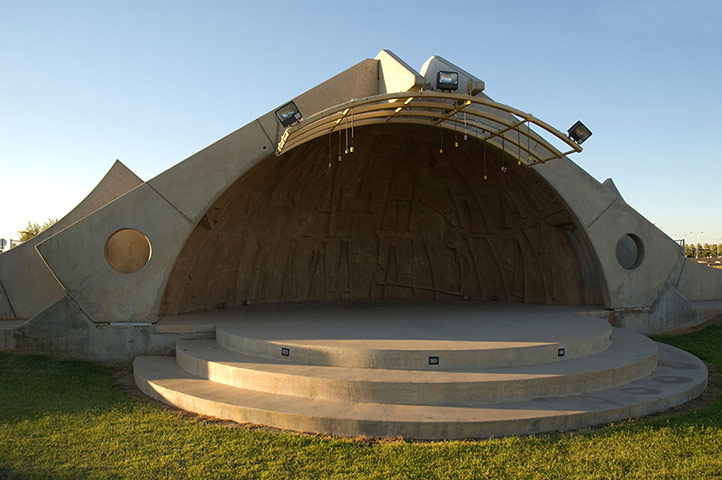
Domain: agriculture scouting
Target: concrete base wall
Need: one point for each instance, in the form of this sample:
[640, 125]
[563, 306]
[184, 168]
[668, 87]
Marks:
[670, 312]
[65, 330]
[707, 311]
[7, 339]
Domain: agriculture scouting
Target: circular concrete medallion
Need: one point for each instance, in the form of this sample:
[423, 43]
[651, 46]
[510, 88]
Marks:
[630, 251]
[127, 251]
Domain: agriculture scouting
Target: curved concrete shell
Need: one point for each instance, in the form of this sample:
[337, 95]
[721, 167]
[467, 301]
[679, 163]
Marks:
[407, 215]
[396, 219]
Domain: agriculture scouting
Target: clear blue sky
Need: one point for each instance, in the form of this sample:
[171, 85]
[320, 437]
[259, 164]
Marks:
[152, 82]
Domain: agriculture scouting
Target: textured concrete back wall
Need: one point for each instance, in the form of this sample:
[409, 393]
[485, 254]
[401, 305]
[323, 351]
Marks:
[395, 219]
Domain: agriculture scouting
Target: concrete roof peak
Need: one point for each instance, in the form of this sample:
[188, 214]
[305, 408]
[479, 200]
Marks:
[610, 185]
[395, 75]
[120, 168]
[391, 54]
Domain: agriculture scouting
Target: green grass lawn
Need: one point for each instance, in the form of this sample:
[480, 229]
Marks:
[72, 419]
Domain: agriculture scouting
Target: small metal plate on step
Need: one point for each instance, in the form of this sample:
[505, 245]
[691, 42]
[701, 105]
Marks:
[285, 352]
[433, 360]
[560, 352]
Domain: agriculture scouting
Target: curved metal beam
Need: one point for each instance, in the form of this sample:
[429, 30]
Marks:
[489, 120]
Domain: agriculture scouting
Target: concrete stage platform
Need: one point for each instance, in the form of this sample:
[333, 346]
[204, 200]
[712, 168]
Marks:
[428, 370]
[401, 335]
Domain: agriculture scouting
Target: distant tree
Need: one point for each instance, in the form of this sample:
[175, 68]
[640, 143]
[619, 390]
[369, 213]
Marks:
[706, 252]
[34, 229]
[714, 250]
[688, 250]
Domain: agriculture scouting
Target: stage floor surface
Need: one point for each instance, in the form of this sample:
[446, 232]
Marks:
[401, 325]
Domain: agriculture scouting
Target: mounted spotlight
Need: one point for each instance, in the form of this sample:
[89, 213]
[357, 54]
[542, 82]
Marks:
[579, 132]
[288, 114]
[447, 80]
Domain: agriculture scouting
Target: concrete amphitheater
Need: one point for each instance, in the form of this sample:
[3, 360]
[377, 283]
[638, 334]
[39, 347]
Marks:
[391, 253]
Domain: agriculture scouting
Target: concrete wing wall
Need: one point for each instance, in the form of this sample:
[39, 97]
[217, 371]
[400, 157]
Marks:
[606, 218]
[699, 283]
[77, 257]
[166, 209]
[27, 283]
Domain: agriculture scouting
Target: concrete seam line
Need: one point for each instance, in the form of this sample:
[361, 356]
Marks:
[265, 132]
[171, 204]
[681, 271]
[603, 212]
[70, 297]
[7, 298]
[45, 262]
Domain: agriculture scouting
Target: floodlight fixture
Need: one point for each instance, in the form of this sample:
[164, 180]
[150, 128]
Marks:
[288, 114]
[579, 132]
[447, 80]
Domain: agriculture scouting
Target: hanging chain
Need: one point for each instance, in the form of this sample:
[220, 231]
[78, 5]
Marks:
[528, 140]
[352, 142]
[456, 137]
[465, 135]
[485, 177]
[441, 139]
[503, 155]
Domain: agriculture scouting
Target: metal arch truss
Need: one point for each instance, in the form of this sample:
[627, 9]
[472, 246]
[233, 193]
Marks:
[504, 126]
